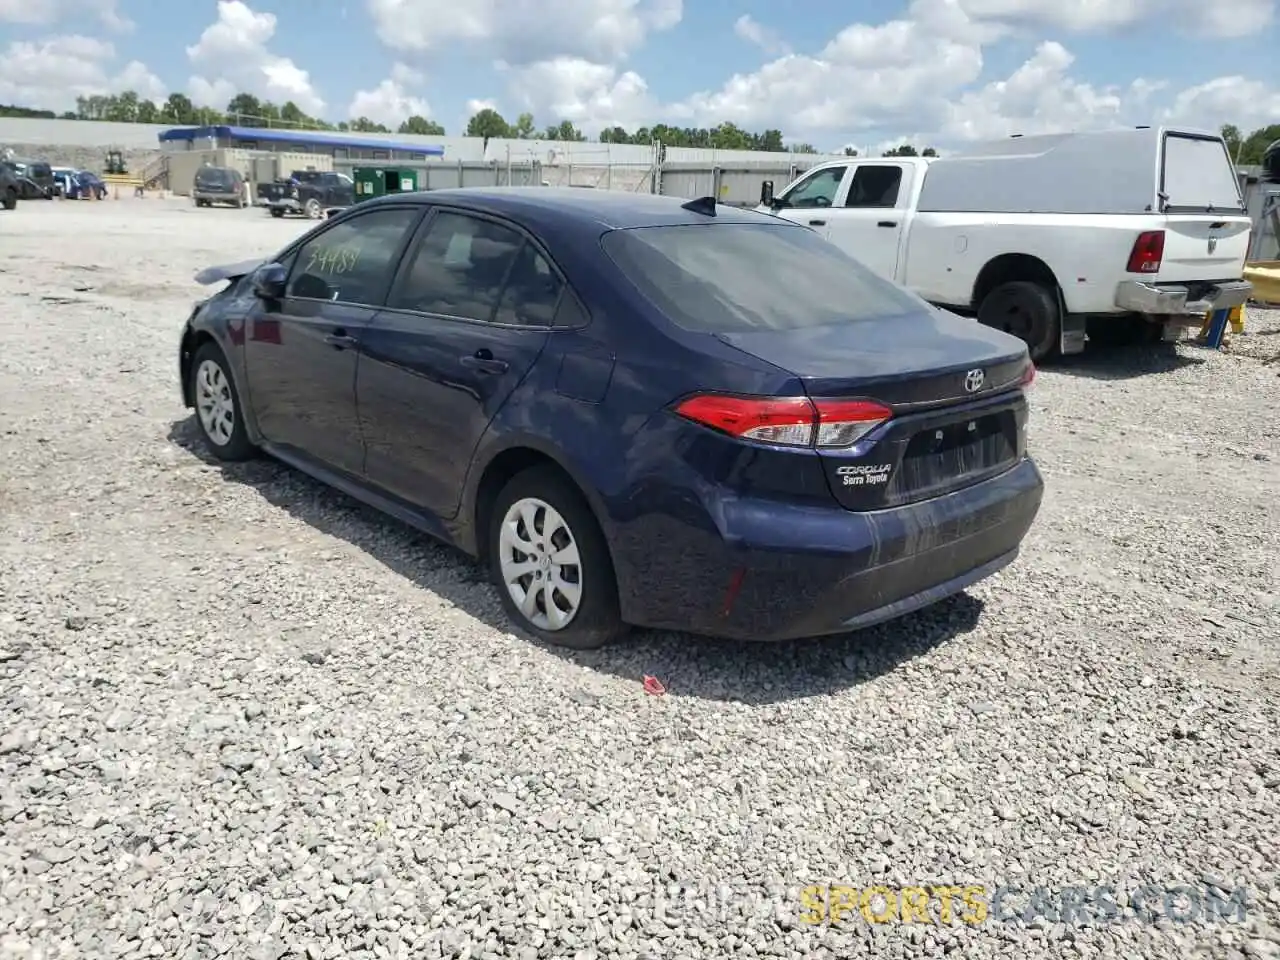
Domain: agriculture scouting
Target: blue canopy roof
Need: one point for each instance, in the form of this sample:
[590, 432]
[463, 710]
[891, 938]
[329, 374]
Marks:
[272, 135]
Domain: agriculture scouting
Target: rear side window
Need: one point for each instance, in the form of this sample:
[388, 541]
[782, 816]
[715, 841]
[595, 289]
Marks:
[736, 277]
[478, 270]
[1199, 175]
[874, 186]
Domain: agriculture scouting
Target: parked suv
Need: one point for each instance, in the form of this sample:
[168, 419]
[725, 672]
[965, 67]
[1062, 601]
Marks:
[218, 185]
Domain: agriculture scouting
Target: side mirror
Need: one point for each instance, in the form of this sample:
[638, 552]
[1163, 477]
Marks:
[766, 193]
[269, 282]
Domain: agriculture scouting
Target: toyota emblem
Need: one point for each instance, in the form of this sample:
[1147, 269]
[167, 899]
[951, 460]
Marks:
[973, 380]
[1213, 244]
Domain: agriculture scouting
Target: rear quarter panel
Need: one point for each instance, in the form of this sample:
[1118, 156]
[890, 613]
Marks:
[1087, 253]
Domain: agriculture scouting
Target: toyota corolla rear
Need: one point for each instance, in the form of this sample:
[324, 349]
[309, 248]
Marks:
[841, 453]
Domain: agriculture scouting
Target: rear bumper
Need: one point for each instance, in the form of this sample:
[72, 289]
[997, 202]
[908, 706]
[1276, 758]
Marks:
[288, 204]
[760, 570]
[219, 197]
[1164, 298]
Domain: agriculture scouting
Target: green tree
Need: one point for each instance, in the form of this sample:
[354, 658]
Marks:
[178, 109]
[488, 123]
[928, 152]
[804, 148]
[365, 125]
[421, 127]
[850, 152]
[524, 128]
[906, 150]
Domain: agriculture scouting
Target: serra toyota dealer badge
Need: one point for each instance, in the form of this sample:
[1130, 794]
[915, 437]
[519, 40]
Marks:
[865, 474]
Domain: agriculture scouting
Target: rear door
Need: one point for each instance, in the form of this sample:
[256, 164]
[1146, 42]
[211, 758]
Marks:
[1206, 227]
[869, 221]
[467, 317]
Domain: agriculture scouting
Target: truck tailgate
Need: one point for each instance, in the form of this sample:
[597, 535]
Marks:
[1203, 247]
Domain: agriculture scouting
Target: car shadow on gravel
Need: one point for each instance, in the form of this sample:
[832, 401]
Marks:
[690, 666]
[1123, 362]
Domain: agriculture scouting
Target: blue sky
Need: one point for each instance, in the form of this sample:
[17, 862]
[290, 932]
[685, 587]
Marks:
[828, 72]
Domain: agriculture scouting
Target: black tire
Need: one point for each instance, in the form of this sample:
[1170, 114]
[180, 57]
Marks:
[277, 212]
[236, 445]
[10, 198]
[1028, 311]
[596, 621]
[313, 209]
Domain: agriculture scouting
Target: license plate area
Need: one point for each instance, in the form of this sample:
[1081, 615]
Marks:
[954, 454]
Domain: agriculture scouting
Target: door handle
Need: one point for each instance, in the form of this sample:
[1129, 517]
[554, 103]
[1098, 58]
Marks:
[817, 223]
[887, 223]
[340, 341]
[484, 361]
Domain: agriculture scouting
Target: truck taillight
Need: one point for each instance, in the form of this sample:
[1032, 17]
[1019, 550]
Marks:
[1148, 251]
[787, 421]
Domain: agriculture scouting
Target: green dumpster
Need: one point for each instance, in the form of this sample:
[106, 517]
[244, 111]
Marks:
[379, 181]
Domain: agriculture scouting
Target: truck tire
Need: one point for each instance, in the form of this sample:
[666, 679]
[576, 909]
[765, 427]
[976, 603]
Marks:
[10, 198]
[312, 209]
[1028, 311]
[277, 212]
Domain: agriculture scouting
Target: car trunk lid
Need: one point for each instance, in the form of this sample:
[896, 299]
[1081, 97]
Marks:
[953, 388]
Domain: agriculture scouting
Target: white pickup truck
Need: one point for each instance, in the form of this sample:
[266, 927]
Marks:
[1040, 236]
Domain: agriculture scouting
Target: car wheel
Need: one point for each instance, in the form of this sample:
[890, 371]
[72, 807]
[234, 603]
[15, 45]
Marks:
[1028, 311]
[218, 410]
[10, 198]
[277, 212]
[550, 563]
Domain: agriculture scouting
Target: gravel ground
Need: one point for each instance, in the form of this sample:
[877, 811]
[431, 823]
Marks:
[242, 716]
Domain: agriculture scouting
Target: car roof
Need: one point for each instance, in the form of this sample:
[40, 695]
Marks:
[612, 209]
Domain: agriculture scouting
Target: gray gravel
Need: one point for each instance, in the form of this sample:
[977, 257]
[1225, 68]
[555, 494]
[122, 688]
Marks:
[242, 716]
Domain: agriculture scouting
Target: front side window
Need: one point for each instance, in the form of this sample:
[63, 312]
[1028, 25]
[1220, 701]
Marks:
[819, 190]
[352, 262]
[477, 270]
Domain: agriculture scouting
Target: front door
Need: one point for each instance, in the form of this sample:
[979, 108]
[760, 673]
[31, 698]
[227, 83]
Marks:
[467, 317]
[811, 199]
[870, 218]
[301, 352]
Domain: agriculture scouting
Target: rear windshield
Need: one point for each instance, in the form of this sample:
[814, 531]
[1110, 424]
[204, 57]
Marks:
[735, 277]
[1199, 175]
[213, 175]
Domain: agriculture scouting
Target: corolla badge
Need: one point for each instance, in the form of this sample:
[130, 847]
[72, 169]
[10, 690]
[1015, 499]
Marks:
[1213, 244]
[974, 379]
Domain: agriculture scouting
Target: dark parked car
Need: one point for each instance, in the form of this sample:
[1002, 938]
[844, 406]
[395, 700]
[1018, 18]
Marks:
[88, 186]
[635, 411]
[218, 185]
[312, 193]
[21, 183]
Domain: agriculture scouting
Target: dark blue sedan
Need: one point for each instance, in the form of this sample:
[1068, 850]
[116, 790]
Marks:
[634, 410]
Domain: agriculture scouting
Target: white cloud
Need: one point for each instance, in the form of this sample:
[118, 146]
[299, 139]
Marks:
[52, 12]
[390, 102]
[1239, 18]
[921, 72]
[232, 57]
[589, 95]
[525, 31]
[755, 32]
[475, 106]
[50, 74]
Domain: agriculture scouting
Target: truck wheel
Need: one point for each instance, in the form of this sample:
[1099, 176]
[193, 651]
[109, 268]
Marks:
[1028, 311]
[277, 212]
[10, 198]
[313, 209]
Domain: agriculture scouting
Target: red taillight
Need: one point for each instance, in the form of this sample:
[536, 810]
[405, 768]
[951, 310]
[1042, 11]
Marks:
[787, 421]
[1148, 251]
[1029, 378]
